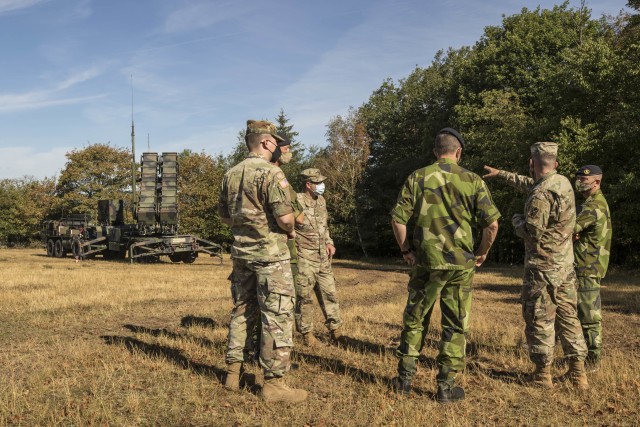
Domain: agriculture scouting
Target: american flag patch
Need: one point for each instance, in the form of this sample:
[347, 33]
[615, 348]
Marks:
[284, 183]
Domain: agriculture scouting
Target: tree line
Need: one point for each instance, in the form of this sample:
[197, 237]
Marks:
[544, 74]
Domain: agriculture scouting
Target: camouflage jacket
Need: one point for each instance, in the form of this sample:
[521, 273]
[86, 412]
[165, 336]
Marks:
[447, 202]
[593, 225]
[548, 220]
[254, 193]
[312, 236]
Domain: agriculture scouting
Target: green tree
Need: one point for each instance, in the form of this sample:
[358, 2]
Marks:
[199, 184]
[95, 172]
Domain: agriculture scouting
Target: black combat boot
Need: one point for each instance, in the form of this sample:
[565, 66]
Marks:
[449, 393]
[402, 387]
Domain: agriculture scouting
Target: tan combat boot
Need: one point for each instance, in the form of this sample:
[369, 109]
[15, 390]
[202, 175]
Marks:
[541, 377]
[275, 390]
[577, 374]
[232, 381]
[309, 340]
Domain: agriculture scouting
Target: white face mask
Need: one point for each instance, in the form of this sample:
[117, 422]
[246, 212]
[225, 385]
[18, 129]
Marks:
[319, 189]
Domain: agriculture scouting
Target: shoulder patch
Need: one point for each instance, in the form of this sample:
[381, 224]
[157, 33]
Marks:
[283, 183]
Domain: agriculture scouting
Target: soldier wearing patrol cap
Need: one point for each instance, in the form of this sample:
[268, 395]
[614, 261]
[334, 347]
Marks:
[255, 203]
[591, 247]
[549, 295]
[444, 201]
[315, 250]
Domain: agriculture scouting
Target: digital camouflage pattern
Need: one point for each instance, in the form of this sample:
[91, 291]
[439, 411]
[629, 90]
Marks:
[547, 224]
[314, 267]
[263, 294]
[549, 301]
[446, 201]
[590, 315]
[254, 193]
[593, 225]
[549, 296]
[291, 243]
[591, 250]
[455, 290]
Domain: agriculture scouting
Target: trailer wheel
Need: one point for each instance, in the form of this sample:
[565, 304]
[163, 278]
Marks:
[50, 247]
[58, 249]
[76, 249]
[189, 257]
[175, 257]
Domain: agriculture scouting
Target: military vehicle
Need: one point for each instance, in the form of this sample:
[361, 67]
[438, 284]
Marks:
[154, 234]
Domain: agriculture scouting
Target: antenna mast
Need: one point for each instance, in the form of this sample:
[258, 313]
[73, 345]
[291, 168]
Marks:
[134, 194]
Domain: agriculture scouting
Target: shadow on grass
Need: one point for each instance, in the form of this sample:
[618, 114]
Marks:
[169, 334]
[396, 268]
[337, 366]
[204, 322]
[624, 301]
[388, 325]
[175, 356]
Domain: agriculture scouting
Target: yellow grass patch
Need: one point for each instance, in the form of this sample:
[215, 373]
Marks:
[109, 343]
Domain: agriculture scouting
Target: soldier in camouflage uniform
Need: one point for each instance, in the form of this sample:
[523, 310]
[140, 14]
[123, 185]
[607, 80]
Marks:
[255, 202]
[591, 246]
[446, 202]
[315, 250]
[285, 157]
[549, 294]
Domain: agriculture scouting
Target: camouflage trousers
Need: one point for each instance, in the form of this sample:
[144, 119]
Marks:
[549, 301]
[590, 315]
[454, 289]
[316, 277]
[263, 294]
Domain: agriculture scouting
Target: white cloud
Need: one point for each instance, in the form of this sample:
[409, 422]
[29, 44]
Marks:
[30, 161]
[48, 97]
[11, 5]
[204, 14]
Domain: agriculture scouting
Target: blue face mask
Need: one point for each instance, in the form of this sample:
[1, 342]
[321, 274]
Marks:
[319, 191]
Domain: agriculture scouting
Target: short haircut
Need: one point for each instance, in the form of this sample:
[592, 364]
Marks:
[446, 144]
[253, 139]
[547, 161]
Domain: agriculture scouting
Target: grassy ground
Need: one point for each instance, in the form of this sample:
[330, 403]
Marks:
[108, 343]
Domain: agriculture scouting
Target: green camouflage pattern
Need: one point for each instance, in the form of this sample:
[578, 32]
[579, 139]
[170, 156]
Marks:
[263, 127]
[593, 225]
[263, 294]
[254, 193]
[590, 315]
[314, 266]
[447, 202]
[548, 220]
[455, 290]
[312, 236]
[549, 301]
[315, 277]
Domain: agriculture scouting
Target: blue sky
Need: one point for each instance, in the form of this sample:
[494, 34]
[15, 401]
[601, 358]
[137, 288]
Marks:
[201, 68]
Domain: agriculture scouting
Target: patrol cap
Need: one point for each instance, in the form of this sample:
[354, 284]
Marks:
[285, 140]
[261, 127]
[455, 133]
[589, 170]
[313, 175]
[545, 148]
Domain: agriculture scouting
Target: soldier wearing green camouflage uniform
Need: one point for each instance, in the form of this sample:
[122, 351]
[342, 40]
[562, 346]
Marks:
[255, 202]
[315, 250]
[549, 293]
[446, 202]
[591, 247]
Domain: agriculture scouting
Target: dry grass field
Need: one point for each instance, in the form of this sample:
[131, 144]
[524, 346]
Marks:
[109, 343]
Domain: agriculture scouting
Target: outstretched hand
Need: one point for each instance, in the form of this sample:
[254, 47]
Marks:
[491, 172]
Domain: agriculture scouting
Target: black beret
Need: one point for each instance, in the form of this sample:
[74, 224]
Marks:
[285, 140]
[455, 133]
[589, 170]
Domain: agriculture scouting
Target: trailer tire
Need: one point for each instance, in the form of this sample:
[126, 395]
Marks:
[189, 257]
[50, 247]
[58, 249]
